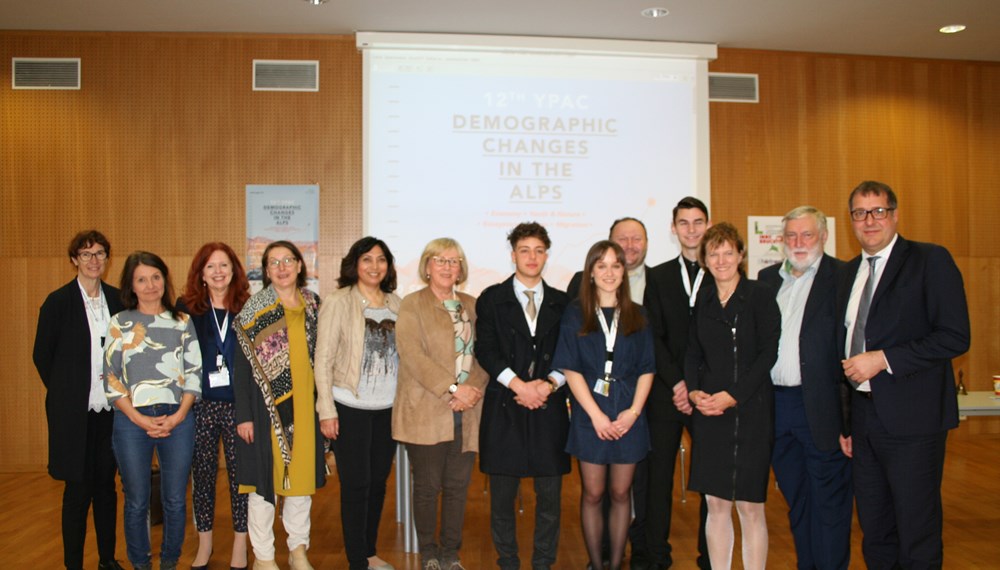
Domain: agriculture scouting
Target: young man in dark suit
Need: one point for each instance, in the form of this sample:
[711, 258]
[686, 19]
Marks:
[671, 289]
[812, 472]
[525, 420]
[905, 318]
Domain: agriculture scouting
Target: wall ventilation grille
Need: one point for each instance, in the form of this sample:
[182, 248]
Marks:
[733, 87]
[285, 75]
[45, 73]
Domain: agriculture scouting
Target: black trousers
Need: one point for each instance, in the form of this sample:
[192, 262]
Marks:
[364, 451]
[897, 488]
[653, 519]
[98, 488]
[503, 495]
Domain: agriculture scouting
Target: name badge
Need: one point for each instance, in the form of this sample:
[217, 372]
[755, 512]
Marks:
[602, 387]
[219, 378]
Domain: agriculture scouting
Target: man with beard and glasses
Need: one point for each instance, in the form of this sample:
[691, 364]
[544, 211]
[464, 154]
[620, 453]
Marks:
[811, 470]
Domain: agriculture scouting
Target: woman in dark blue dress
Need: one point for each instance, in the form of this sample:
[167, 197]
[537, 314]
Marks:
[606, 352]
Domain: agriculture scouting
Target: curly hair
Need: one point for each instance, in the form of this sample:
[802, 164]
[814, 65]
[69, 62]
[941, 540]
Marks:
[195, 294]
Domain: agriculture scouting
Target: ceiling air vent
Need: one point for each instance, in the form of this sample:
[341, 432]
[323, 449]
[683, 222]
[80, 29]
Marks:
[285, 75]
[45, 73]
[733, 87]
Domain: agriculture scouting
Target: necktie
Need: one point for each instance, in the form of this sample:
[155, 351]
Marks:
[858, 338]
[532, 310]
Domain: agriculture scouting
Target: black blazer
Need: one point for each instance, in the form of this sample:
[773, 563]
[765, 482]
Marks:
[920, 319]
[823, 385]
[514, 440]
[62, 358]
[669, 311]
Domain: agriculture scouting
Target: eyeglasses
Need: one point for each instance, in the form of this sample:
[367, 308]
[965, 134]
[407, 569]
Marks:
[86, 255]
[442, 261]
[287, 262]
[860, 215]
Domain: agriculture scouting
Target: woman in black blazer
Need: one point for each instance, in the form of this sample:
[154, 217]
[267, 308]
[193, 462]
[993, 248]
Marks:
[72, 325]
[733, 345]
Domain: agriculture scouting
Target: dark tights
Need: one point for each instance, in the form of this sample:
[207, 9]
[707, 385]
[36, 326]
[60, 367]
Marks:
[594, 478]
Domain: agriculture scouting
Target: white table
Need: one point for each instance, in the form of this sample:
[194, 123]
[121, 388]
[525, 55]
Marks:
[978, 403]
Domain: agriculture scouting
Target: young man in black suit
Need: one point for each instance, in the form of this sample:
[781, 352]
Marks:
[525, 420]
[671, 289]
[905, 318]
[812, 472]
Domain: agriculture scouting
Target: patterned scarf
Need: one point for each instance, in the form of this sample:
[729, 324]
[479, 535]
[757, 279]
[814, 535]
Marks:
[463, 339]
[263, 337]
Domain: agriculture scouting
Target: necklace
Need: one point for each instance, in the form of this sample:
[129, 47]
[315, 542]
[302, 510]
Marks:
[724, 300]
[376, 299]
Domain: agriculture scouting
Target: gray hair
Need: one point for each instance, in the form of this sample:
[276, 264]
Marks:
[802, 211]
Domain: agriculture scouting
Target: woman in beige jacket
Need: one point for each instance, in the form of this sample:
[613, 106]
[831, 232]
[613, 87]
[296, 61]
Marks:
[356, 370]
[438, 399]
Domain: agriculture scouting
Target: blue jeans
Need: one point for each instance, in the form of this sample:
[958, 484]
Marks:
[134, 453]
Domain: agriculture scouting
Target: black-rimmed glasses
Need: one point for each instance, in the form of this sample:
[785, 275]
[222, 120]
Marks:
[86, 255]
[859, 214]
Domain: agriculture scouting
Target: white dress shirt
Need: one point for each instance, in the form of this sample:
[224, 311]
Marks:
[519, 288]
[858, 289]
[787, 370]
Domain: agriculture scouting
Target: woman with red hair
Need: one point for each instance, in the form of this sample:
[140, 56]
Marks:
[215, 291]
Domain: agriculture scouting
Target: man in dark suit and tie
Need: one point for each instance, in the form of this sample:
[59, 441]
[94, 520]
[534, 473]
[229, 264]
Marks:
[525, 420]
[812, 472]
[671, 289]
[905, 318]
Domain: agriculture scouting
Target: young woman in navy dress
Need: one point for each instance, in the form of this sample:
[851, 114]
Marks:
[606, 352]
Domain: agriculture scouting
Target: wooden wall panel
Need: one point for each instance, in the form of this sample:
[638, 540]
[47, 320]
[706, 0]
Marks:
[157, 148]
[930, 129]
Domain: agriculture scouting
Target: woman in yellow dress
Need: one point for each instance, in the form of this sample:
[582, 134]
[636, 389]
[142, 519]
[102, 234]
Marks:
[281, 452]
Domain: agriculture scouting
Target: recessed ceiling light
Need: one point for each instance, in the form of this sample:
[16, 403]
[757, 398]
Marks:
[316, 2]
[952, 29]
[654, 12]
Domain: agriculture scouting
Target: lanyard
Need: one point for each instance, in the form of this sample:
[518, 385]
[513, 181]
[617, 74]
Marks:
[220, 340]
[98, 314]
[692, 292]
[610, 335]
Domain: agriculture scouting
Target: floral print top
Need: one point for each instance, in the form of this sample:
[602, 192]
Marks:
[153, 359]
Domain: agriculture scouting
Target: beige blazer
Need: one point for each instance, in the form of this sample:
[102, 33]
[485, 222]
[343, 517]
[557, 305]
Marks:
[425, 339]
[340, 343]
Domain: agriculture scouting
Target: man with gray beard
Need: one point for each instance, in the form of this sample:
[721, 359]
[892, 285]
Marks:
[811, 470]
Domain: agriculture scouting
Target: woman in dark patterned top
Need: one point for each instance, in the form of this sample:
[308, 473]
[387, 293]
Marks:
[356, 370]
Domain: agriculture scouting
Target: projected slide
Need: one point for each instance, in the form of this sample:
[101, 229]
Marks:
[467, 145]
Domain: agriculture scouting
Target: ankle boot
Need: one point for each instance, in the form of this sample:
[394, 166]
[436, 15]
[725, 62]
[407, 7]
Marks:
[297, 559]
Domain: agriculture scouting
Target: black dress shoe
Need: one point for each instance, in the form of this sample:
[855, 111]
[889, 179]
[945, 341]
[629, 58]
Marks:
[205, 567]
[109, 565]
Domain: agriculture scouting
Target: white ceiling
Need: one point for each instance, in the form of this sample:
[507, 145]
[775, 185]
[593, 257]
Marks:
[906, 28]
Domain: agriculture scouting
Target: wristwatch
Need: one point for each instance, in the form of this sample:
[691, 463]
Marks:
[453, 388]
